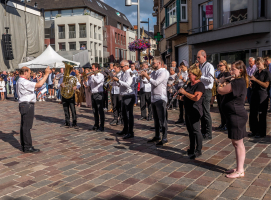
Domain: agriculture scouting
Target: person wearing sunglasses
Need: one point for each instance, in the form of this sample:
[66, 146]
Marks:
[127, 92]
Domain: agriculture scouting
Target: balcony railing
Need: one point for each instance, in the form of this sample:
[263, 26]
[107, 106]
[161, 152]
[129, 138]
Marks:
[72, 34]
[62, 49]
[96, 53]
[61, 35]
[83, 33]
[205, 28]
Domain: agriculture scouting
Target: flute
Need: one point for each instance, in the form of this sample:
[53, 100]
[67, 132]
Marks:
[176, 94]
[226, 78]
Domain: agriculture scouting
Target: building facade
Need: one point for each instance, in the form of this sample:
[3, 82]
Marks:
[130, 37]
[174, 19]
[231, 30]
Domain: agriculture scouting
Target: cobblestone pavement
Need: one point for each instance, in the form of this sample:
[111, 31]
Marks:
[82, 164]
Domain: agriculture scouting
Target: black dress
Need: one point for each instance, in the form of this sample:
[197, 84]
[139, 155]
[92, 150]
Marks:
[259, 104]
[234, 110]
[220, 98]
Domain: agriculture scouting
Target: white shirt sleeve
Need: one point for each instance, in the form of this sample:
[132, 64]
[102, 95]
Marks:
[98, 78]
[208, 74]
[162, 76]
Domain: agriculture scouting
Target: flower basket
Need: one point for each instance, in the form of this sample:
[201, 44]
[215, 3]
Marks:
[139, 45]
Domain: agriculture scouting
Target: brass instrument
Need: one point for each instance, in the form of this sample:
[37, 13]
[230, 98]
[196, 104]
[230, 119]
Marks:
[110, 79]
[149, 71]
[70, 81]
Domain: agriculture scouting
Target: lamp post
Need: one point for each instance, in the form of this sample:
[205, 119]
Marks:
[130, 3]
[148, 22]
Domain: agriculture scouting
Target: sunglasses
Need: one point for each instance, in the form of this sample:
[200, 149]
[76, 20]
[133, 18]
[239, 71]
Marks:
[220, 65]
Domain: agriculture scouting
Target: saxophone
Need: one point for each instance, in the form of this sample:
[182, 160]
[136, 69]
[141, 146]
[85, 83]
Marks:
[70, 81]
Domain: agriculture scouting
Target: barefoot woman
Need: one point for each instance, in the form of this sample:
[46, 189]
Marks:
[233, 107]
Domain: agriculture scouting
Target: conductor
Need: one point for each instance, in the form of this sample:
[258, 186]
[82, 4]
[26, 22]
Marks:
[27, 99]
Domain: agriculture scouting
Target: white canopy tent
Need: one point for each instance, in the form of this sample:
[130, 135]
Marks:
[48, 58]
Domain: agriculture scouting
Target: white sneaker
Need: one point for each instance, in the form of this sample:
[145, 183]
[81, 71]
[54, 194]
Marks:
[49, 97]
[43, 99]
[53, 97]
[39, 100]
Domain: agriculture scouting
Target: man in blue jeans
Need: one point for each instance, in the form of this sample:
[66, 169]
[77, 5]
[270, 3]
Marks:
[207, 78]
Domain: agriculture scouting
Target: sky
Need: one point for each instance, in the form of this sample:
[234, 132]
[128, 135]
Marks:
[146, 10]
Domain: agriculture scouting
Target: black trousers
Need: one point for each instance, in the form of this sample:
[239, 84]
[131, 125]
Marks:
[206, 120]
[27, 117]
[192, 120]
[67, 105]
[145, 100]
[223, 117]
[105, 101]
[181, 103]
[97, 100]
[160, 118]
[258, 125]
[127, 106]
[116, 103]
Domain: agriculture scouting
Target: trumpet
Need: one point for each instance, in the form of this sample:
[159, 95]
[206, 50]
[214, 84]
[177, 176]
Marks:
[149, 71]
[110, 79]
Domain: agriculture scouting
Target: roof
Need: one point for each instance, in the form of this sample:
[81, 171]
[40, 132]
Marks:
[95, 5]
[149, 34]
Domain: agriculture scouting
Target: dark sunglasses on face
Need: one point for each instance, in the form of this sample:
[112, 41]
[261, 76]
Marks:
[220, 65]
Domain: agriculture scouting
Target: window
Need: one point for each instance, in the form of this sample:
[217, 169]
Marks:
[54, 13]
[105, 8]
[99, 4]
[72, 46]
[65, 13]
[206, 16]
[116, 53]
[261, 8]
[83, 45]
[183, 10]
[124, 17]
[172, 16]
[234, 10]
[47, 32]
[62, 47]
[82, 30]
[61, 32]
[124, 28]
[78, 11]
[47, 15]
[72, 33]
[119, 25]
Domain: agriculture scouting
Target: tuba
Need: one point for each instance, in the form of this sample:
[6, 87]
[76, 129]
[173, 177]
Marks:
[70, 81]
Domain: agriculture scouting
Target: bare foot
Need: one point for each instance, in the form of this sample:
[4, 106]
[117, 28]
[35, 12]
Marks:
[236, 175]
[230, 171]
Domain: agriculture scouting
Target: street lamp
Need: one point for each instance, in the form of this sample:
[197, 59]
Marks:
[148, 22]
[129, 3]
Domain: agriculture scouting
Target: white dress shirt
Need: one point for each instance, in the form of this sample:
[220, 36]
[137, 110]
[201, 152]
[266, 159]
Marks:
[158, 80]
[126, 83]
[96, 83]
[145, 84]
[207, 77]
[25, 90]
[115, 86]
[185, 77]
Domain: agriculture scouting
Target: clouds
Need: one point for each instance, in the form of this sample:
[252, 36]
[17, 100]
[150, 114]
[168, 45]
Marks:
[146, 10]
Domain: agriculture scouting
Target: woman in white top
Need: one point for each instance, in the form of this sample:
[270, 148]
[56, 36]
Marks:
[2, 88]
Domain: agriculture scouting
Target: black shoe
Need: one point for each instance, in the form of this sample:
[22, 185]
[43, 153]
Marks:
[258, 136]
[100, 129]
[66, 125]
[129, 135]
[224, 128]
[162, 142]
[221, 126]
[196, 155]
[114, 122]
[74, 125]
[94, 128]
[179, 121]
[207, 137]
[31, 150]
[150, 119]
[152, 128]
[121, 133]
[251, 134]
[190, 152]
[142, 118]
[153, 140]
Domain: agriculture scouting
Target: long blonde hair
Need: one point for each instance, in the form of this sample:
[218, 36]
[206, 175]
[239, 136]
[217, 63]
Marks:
[226, 65]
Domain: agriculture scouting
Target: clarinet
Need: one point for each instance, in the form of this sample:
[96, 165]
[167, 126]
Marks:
[175, 95]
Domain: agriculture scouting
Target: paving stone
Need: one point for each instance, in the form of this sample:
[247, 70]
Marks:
[255, 192]
[219, 185]
[208, 194]
[232, 193]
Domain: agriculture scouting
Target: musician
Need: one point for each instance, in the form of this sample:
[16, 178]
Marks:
[158, 80]
[183, 77]
[126, 83]
[115, 97]
[207, 78]
[79, 93]
[26, 93]
[224, 72]
[193, 96]
[259, 100]
[171, 88]
[96, 84]
[69, 104]
[236, 116]
[87, 89]
[135, 77]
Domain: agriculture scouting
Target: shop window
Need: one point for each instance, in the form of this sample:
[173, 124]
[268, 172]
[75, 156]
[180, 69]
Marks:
[206, 16]
[234, 10]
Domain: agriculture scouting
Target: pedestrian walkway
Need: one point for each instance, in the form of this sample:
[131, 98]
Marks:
[82, 164]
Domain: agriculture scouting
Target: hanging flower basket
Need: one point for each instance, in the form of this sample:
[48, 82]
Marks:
[139, 45]
[148, 57]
